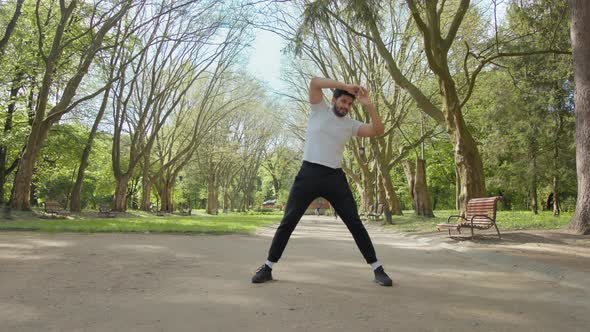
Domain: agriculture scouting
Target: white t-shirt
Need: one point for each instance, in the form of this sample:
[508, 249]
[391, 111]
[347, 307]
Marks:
[327, 135]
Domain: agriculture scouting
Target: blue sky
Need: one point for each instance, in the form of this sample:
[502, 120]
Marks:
[265, 58]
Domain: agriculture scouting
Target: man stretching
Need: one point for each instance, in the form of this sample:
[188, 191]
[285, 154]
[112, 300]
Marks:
[328, 130]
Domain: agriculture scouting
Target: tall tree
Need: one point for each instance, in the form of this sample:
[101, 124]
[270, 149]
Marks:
[184, 45]
[89, 40]
[439, 23]
[580, 32]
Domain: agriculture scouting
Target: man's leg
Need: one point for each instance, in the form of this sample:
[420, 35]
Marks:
[340, 196]
[301, 195]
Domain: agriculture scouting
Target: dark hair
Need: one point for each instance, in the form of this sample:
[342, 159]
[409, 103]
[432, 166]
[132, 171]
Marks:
[338, 93]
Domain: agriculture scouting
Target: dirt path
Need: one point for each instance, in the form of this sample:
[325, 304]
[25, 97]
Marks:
[141, 282]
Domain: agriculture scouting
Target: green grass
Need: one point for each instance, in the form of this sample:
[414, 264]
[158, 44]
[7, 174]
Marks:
[138, 221]
[507, 220]
[143, 222]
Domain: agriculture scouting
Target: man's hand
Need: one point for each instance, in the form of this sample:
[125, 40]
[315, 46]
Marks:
[363, 96]
[353, 89]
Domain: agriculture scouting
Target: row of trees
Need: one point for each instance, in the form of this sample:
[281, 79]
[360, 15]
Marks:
[498, 87]
[157, 83]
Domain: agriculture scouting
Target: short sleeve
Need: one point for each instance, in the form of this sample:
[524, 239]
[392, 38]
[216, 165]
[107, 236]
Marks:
[355, 126]
[321, 106]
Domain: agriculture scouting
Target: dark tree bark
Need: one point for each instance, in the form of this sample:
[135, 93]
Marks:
[580, 33]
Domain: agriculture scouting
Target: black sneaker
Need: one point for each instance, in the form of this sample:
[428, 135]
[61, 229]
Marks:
[263, 274]
[381, 277]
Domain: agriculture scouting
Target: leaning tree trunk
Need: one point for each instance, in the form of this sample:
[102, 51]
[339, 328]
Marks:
[389, 194]
[75, 203]
[368, 193]
[24, 173]
[11, 108]
[395, 206]
[580, 33]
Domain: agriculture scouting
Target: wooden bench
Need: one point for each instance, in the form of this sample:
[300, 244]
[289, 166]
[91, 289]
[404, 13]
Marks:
[185, 210]
[480, 214]
[53, 207]
[376, 214]
[104, 210]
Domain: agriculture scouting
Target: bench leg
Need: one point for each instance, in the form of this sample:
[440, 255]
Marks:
[471, 232]
[498, 231]
[449, 232]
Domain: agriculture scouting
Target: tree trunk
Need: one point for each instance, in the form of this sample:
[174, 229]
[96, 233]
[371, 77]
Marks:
[395, 206]
[120, 202]
[166, 195]
[556, 209]
[146, 190]
[467, 158]
[580, 27]
[5, 171]
[226, 202]
[369, 193]
[457, 189]
[146, 183]
[389, 195]
[417, 187]
[76, 204]
[212, 198]
[534, 188]
[423, 204]
[410, 170]
[362, 196]
[24, 174]
[383, 200]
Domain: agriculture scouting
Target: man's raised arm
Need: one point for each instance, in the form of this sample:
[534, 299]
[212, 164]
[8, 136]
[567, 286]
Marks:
[317, 84]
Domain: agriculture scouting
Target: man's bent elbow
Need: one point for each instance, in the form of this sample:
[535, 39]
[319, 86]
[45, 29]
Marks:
[379, 131]
[313, 82]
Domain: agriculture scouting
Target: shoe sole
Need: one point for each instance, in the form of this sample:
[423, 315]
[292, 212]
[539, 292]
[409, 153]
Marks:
[382, 283]
[261, 281]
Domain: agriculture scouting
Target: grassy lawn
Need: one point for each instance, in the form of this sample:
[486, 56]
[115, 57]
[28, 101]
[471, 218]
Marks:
[507, 220]
[137, 221]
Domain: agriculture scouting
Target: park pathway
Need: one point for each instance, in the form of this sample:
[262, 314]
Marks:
[162, 282]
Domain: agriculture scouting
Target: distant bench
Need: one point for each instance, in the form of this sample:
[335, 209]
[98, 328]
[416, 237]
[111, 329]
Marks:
[53, 207]
[185, 210]
[104, 210]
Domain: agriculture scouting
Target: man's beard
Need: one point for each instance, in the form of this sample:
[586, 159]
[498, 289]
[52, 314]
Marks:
[335, 111]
